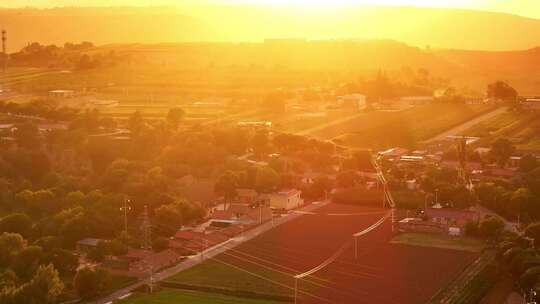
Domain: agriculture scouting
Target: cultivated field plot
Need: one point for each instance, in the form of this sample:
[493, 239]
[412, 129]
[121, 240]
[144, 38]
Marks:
[521, 128]
[382, 273]
[168, 296]
[384, 129]
[439, 241]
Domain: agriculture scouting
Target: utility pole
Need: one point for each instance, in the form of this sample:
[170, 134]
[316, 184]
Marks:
[147, 243]
[260, 213]
[295, 290]
[125, 209]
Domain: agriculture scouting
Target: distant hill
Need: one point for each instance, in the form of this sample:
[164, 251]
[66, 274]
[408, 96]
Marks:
[520, 68]
[344, 59]
[438, 28]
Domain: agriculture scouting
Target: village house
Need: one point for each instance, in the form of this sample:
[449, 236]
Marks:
[85, 245]
[286, 200]
[451, 219]
[246, 196]
[394, 153]
[531, 103]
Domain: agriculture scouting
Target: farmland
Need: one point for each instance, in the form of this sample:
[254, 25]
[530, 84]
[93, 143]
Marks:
[400, 128]
[439, 241]
[388, 273]
[185, 297]
[520, 127]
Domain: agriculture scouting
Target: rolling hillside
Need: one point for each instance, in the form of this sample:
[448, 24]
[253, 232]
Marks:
[438, 28]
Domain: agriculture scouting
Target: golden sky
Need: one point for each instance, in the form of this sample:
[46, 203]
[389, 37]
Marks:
[529, 8]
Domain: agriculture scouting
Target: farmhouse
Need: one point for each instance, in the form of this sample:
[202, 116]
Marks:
[246, 196]
[394, 153]
[62, 93]
[88, 244]
[454, 164]
[155, 261]
[418, 225]
[105, 103]
[448, 218]
[531, 103]
[353, 101]
[286, 200]
[416, 100]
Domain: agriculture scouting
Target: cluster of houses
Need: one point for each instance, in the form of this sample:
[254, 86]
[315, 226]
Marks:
[476, 169]
[438, 218]
[223, 223]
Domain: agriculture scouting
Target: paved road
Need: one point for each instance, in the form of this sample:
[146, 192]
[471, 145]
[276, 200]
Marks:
[211, 252]
[466, 125]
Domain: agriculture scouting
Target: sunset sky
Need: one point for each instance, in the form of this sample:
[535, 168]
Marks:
[529, 8]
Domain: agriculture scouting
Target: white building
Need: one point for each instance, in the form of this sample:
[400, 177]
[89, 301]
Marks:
[355, 101]
[531, 103]
[415, 100]
[286, 200]
[62, 93]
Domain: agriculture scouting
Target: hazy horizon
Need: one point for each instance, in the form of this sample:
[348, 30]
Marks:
[525, 8]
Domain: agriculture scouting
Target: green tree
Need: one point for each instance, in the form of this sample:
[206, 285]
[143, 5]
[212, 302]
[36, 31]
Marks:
[528, 163]
[90, 283]
[10, 245]
[27, 261]
[533, 231]
[501, 150]
[226, 185]
[169, 216]
[267, 179]
[347, 179]
[321, 186]
[43, 288]
[175, 117]
[65, 261]
[136, 123]
[16, 223]
[160, 244]
[260, 142]
[27, 135]
[491, 228]
[501, 90]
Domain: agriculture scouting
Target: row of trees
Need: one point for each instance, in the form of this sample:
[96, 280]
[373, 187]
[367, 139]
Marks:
[71, 55]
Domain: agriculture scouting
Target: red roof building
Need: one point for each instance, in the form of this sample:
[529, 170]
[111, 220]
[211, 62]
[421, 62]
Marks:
[448, 217]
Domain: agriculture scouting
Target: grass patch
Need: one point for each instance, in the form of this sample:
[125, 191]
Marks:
[119, 281]
[167, 296]
[215, 274]
[439, 241]
[410, 200]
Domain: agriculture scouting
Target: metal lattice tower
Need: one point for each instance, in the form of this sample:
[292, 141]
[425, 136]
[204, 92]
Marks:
[4, 50]
[147, 244]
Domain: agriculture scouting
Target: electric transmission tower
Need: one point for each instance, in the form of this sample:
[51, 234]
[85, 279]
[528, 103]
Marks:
[147, 245]
[4, 51]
